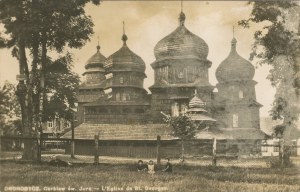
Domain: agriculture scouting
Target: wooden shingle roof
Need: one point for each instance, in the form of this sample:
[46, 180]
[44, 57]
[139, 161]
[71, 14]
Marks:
[232, 133]
[87, 131]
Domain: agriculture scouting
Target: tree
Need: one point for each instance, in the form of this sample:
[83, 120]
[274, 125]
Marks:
[182, 127]
[33, 28]
[61, 86]
[277, 45]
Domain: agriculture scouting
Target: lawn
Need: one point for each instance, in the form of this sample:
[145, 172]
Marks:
[118, 177]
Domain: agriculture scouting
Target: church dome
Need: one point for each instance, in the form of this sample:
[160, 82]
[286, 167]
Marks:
[234, 67]
[97, 60]
[196, 104]
[181, 42]
[124, 56]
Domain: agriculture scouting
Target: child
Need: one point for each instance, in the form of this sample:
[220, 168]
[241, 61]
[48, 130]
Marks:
[168, 167]
[151, 167]
[141, 167]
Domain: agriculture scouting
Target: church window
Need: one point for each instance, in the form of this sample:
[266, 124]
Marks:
[241, 94]
[123, 96]
[180, 75]
[121, 80]
[50, 124]
[235, 120]
[128, 97]
[118, 97]
[175, 109]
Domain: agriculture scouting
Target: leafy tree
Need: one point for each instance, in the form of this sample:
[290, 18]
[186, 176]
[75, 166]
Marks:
[277, 45]
[182, 127]
[34, 28]
[61, 86]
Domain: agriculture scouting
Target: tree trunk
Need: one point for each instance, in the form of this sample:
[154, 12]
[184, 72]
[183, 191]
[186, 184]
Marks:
[22, 94]
[29, 111]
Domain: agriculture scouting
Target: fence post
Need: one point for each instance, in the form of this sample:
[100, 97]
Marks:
[96, 160]
[214, 152]
[39, 146]
[158, 150]
[73, 142]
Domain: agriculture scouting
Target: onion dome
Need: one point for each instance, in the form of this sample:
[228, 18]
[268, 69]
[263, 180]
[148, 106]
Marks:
[125, 58]
[234, 67]
[97, 60]
[182, 43]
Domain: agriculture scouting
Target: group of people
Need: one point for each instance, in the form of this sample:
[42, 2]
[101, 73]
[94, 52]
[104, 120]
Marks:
[150, 167]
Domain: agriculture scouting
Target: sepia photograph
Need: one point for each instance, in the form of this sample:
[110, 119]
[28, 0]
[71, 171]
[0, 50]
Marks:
[150, 95]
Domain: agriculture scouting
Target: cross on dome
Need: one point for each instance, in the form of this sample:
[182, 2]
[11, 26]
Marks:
[98, 46]
[124, 36]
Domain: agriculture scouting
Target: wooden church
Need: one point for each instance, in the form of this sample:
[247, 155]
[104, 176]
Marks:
[113, 103]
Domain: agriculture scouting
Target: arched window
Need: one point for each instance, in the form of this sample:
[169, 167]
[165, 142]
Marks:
[123, 96]
[241, 94]
[117, 96]
[235, 120]
[175, 109]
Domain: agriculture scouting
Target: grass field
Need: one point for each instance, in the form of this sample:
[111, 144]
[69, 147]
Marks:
[108, 177]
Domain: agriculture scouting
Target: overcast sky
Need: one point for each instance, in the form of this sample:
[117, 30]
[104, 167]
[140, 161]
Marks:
[147, 22]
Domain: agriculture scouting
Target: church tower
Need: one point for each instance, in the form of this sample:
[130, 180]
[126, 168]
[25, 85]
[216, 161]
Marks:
[94, 79]
[236, 95]
[181, 66]
[124, 100]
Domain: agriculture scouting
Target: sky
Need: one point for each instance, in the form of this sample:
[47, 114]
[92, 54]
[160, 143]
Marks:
[147, 22]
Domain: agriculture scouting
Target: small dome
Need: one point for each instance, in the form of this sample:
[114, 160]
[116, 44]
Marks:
[234, 67]
[181, 42]
[97, 60]
[127, 57]
[196, 102]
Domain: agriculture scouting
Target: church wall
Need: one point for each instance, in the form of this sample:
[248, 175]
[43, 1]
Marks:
[116, 114]
[128, 78]
[236, 91]
[181, 71]
[94, 77]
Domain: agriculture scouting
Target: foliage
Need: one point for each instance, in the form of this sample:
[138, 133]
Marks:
[9, 110]
[61, 86]
[277, 44]
[33, 29]
[183, 127]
